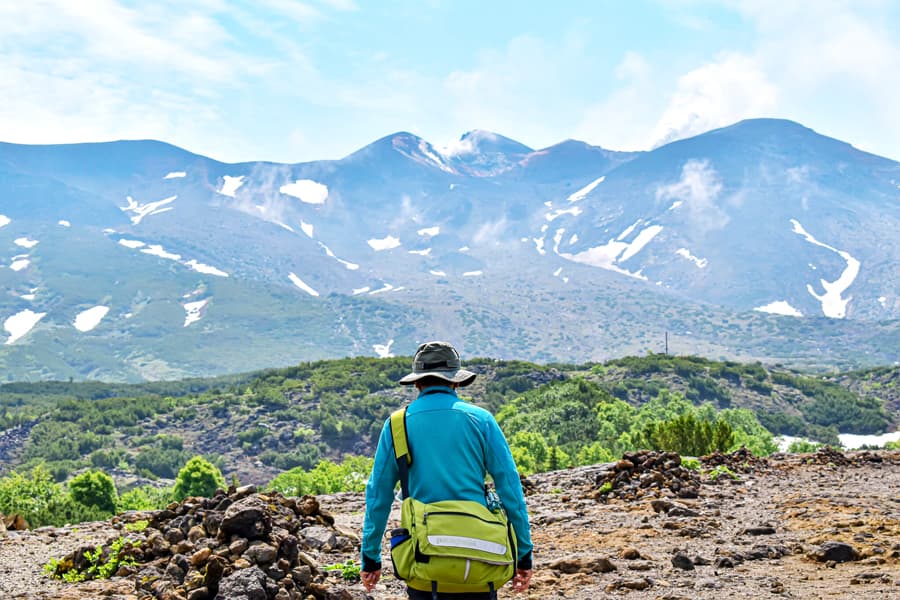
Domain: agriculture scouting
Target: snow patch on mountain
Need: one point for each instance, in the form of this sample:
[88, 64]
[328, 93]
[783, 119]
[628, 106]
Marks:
[230, 185]
[852, 441]
[385, 288]
[350, 266]
[438, 273]
[833, 303]
[21, 323]
[194, 310]
[64, 223]
[90, 318]
[362, 290]
[175, 175]
[131, 243]
[473, 273]
[284, 226]
[146, 210]
[780, 307]
[205, 269]
[306, 190]
[24, 242]
[19, 263]
[386, 243]
[580, 194]
[882, 300]
[558, 273]
[429, 231]
[425, 252]
[628, 230]
[157, 250]
[700, 262]
[302, 285]
[574, 211]
[383, 350]
[614, 252]
[4, 221]
[306, 228]
[676, 204]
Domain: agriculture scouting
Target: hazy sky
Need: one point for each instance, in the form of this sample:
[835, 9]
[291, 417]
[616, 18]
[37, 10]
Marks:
[293, 81]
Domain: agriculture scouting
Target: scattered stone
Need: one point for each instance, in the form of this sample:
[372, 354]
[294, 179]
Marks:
[682, 561]
[629, 553]
[838, 552]
[641, 583]
[759, 530]
[645, 474]
[583, 564]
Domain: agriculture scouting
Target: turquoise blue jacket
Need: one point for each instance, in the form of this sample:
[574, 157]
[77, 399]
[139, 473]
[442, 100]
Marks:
[454, 444]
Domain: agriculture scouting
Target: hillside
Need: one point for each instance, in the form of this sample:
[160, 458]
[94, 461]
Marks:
[259, 424]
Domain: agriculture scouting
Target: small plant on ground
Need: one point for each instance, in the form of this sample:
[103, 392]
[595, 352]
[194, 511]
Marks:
[99, 563]
[721, 471]
[691, 464]
[349, 570]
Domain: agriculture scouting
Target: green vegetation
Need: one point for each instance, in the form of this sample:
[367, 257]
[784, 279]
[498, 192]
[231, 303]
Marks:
[198, 477]
[803, 447]
[99, 564]
[576, 422]
[721, 471]
[95, 489]
[326, 478]
[314, 425]
[349, 570]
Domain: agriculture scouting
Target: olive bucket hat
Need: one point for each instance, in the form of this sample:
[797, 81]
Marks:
[438, 359]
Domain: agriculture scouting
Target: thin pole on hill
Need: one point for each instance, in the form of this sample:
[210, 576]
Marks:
[667, 343]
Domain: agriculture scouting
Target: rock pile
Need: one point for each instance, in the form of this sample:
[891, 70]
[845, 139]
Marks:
[739, 461]
[237, 545]
[646, 473]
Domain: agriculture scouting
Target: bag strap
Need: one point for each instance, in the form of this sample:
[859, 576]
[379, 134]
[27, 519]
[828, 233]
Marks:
[402, 451]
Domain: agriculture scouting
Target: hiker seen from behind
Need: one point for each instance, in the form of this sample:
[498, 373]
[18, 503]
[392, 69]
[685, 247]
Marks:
[456, 540]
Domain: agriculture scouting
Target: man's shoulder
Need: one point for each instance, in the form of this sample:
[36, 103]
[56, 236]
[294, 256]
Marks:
[474, 410]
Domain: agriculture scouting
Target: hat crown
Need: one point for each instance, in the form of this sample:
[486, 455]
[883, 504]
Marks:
[436, 356]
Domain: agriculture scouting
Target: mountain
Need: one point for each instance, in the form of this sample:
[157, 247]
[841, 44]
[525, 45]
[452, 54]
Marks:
[138, 260]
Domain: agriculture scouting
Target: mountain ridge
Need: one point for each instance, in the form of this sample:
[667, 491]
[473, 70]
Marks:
[701, 238]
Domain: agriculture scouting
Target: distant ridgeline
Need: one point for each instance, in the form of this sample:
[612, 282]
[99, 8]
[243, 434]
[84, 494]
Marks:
[259, 425]
[763, 240]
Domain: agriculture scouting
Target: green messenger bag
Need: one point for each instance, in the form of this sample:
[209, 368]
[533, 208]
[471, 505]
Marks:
[448, 546]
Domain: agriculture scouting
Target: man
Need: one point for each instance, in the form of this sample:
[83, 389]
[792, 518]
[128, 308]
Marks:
[455, 444]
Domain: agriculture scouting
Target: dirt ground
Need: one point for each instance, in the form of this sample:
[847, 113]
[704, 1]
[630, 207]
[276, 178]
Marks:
[763, 535]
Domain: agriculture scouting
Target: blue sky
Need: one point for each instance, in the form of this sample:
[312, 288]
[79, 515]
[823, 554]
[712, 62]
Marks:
[293, 81]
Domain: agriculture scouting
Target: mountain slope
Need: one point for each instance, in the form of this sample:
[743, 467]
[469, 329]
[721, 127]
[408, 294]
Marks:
[567, 253]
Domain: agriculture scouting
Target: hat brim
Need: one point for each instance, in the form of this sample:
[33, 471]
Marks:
[460, 377]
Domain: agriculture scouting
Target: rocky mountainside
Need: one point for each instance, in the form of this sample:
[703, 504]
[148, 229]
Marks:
[137, 260]
[793, 526]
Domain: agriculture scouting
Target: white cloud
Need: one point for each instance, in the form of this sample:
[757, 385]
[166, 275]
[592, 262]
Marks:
[733, 88]
[698, 189]
[621, 119]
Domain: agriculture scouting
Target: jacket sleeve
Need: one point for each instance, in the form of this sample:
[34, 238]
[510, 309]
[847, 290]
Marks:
[502, 467]
[379, 497]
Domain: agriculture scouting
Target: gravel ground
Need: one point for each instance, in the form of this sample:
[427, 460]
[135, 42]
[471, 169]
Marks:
[790, 508]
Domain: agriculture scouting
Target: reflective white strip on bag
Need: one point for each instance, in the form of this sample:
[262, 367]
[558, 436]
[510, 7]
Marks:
[459, 541]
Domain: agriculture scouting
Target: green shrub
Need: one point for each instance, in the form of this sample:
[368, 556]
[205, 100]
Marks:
[803, 447]
[198, 477]
[144, 498]
[94, 488]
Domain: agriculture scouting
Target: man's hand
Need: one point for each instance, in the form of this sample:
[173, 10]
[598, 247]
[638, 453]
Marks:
[370, 578]
[521, 580]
